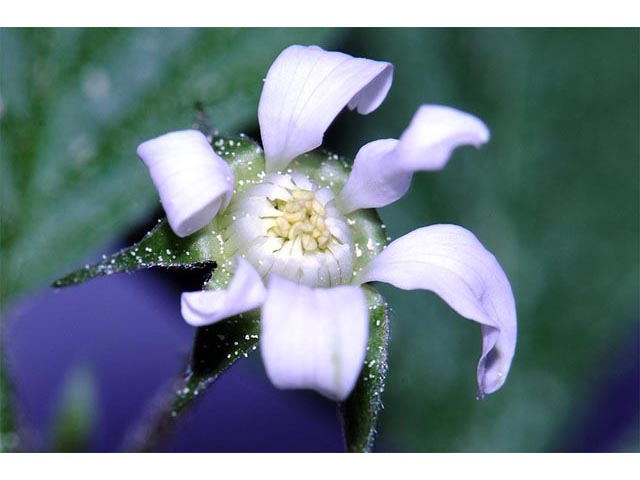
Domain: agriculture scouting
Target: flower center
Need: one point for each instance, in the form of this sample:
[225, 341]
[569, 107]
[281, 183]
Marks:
[302, 217]
[288, 226]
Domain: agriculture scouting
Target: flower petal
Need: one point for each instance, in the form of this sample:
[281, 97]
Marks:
[305, 89]
[194, 183]
[382, 170]
[313, 337]
[245, 292]
[450, 261]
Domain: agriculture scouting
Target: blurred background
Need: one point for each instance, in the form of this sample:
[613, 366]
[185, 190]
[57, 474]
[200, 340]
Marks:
[554, 196]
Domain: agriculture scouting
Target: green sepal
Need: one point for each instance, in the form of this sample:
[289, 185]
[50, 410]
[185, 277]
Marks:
[361, 410]
[9, 435]
[159, 248]
[216, 347]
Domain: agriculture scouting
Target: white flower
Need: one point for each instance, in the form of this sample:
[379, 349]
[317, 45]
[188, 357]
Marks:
[296, 236]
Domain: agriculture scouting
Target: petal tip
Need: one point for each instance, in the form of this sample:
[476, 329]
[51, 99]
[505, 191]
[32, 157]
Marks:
[451, 262]
[193, 182]
[314, 338]
[245, 292]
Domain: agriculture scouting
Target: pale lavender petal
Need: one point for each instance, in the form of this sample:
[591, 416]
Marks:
[383, 169]
[450, 261]
[305, 89]
[314, 338]
[372, 182]
[245, 292]
[194, 183]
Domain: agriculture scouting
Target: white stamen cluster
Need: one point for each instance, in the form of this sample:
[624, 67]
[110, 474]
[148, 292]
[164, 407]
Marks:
[287, 225]
[303, 217]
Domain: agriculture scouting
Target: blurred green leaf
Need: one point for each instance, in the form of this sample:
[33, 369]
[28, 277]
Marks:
[360, 411]
[553, 195]
[75, 103]
[76, 418]
[9, 437]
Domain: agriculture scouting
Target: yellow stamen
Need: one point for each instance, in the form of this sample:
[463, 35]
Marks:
[302, 217]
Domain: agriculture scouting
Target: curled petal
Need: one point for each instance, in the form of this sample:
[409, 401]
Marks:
[313, 337]
[382, 170]
[194, 183]
[305, 89]
[372, 182]
[451, 262]
[245, 292]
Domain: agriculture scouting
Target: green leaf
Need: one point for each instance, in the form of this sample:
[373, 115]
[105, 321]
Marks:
[159, 248]
[76, 417]
[9, 438]
[360, 411]
[77, 102]
[216, 348]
